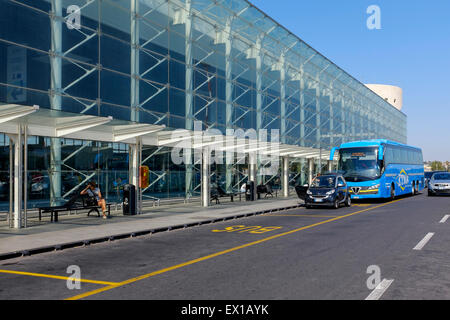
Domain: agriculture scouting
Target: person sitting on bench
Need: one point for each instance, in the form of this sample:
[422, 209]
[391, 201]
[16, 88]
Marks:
[93, 191]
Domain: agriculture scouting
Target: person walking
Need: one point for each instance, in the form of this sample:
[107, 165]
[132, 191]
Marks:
[93, 191]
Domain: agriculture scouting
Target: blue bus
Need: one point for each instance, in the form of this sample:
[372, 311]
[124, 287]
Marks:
[380, 168]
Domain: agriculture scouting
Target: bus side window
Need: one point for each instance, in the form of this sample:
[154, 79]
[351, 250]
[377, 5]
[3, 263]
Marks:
[397, 155]
[411, 156]
[417, 158]
[388, 156]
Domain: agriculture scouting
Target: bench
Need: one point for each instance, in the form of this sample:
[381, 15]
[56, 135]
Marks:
[264, 188]
[72, 205]
[218, 192]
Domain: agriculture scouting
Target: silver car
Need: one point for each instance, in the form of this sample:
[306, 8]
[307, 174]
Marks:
[439, 183]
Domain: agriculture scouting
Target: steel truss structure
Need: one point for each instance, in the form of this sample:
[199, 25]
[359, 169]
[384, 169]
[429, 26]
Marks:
[222, 63]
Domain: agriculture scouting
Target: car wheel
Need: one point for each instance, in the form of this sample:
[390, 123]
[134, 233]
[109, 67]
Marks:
[348, 201]
[308, 206]
[430, 194]
[336, 204]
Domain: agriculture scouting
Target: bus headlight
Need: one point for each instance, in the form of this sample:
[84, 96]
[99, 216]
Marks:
[377, 186]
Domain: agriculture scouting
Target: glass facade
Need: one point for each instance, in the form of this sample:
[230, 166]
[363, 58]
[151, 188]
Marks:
[223, 62]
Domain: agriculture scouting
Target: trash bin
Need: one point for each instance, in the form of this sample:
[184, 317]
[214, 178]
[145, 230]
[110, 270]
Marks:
[252, 190]
[129, 200]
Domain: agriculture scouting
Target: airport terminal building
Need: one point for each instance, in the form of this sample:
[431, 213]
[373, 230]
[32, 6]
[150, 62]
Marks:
[94, 89]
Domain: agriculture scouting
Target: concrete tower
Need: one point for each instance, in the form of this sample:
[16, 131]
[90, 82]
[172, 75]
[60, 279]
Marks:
[392, 94]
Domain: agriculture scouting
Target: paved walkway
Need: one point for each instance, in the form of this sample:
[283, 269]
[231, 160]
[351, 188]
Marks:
[77, 229]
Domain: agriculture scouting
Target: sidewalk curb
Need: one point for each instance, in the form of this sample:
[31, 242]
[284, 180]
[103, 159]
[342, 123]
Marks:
[87, 242]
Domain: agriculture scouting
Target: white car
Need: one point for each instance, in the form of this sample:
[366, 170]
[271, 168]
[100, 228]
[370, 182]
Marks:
[439, 184]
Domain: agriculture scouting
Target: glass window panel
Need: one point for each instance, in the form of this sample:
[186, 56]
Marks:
[153, 37]
[177, 102]
[23, 68]
[177, 74]
[38, 4]
[80, 49]
[115, 88]
[153, 67]
[80, 85]
[177, 122]
[115, 55]
[19, 24]
[116, 18]
[177, 45]
[153, 98]
[79, 105]
[156, 11]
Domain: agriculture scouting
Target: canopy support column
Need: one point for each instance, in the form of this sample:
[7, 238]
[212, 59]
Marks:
[330, 165]
[135, 157]
[205, 178]
[11, 182]
[55, 99]
[18, 178]
[285, 177]
[310, 170]
[253, 170]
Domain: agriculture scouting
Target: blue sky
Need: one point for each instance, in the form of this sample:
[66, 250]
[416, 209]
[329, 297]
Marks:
[412, 51]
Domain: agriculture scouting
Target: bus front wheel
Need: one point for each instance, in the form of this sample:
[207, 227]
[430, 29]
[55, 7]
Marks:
[392, 192]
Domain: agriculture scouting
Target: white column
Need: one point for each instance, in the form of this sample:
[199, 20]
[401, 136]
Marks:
[302, 111]
[330, 166]
[134, 61]
[332, 133]
[253, 170]
[283, 100]
[55, 100]
[25, 175]
[310, 170]
[228, 99]
[252, 158]
[189, 105]
[206, 178]
[352, 117]
[134, 169]
[11, 181]
[343, 120]
[303, 173]
[285, 177]
[18, 179]
[259, 106]
[318, 122]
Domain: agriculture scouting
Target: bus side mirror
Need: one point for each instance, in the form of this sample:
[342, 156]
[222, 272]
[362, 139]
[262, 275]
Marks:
[381, 153]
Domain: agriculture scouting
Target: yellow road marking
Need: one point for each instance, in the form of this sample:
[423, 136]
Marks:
[181, 265]
[247, 229]
[361, 204]
[299, 215]
[41, 275]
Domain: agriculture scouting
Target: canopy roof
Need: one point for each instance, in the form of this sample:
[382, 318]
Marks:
[58, 124]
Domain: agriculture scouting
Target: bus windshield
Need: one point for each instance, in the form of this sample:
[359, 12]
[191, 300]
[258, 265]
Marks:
[359, 164]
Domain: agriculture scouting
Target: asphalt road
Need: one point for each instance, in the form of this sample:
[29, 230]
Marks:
[296, 254]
